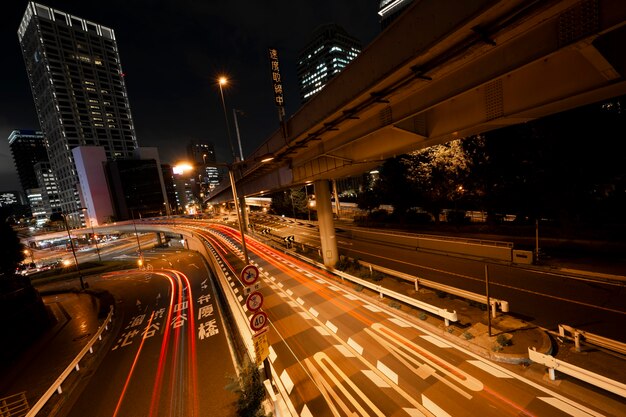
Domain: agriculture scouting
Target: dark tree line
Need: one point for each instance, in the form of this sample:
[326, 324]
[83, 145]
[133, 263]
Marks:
[569, 168]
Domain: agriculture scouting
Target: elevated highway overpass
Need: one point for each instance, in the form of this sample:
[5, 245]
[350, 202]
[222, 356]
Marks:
[444, 70]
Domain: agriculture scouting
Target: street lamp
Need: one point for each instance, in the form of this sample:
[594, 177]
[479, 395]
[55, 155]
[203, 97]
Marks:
[95, 239]
[67, 227]
[222, 81]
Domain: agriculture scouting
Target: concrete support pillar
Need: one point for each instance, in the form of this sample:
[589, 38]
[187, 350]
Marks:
[330, 254]
[336, 196]
[244, 213]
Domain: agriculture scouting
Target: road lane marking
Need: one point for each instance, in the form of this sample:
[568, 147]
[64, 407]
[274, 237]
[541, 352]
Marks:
[300, 301]
[414, 412]
[272, 354]
[332, 327]
[435, 341]
[354, 345]
[387, 371]
[305, 412]
[287, 382]
[322, 330]
[344, 351]
[289, 292]
[313, 312]
[332, 287]
[413, 356]
[378, 381]
[292, 304]
[565, 407]
[433, 408]
[372, 308]
[305, 316]
[489, 369]
[350, 296]
[399, 322]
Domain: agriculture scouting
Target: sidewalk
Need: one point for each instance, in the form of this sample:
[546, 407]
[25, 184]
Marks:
[75, 317]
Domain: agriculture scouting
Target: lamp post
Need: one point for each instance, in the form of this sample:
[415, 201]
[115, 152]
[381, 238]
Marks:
[221, 82]
[95, 240]
[67, 227]
[140, 260]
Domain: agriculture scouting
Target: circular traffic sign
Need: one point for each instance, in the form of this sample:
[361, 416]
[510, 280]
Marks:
[258, 321]
[249, 274]
[254, 301]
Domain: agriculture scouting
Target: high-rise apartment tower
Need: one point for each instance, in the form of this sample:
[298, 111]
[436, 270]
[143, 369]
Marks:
[77, 82]
[331, 48]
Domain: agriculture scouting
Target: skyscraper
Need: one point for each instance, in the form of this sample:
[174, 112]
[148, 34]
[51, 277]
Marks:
[331, 48]
[388, 10]
[28, 148]
[76, 78]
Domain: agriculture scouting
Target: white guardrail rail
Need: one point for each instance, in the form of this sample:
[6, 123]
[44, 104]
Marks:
[555, 364]
[479, 298]
[448, 316]
[74, 365]
[592, 339]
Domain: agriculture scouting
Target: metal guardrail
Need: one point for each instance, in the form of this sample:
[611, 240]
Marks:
[584, 375]
[592, 339]
[15, 405]
[56, 386]
[441, 312]
[479, 298]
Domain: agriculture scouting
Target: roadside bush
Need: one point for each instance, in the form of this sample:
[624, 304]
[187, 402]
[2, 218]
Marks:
[503, 340]
[468, 336]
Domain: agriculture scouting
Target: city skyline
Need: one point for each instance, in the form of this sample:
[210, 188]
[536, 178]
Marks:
[184, 57]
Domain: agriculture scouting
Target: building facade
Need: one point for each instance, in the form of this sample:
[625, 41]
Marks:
[77, 82]
[28, 149]
[331, 48]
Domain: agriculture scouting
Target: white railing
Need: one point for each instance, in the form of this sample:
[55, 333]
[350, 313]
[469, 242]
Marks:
[584, 375]
[448, 316]
[592, 339]
[14, 405]
[56, 386]
[479, 298]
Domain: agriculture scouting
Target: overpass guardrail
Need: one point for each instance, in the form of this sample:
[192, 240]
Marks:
[74, 365]
[593, 378]
[592, 339]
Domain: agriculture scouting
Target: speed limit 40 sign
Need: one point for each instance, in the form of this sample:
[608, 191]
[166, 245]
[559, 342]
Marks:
[258, 321]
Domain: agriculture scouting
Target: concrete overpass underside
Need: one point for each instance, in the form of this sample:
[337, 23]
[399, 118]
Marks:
[440, 73]
[443, 70]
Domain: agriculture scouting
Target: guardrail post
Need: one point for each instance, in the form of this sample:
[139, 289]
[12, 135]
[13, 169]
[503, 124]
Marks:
[416, 286]
[447, 322]
[552, 374]
[59, 390]
[493, 308]
[380, 291]
[577, 341]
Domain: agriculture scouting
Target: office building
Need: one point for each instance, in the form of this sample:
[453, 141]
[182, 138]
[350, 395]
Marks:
[202, 156]
[77, 82]
[48, 185]
[331, 48]
[27, 148]
[388, 10]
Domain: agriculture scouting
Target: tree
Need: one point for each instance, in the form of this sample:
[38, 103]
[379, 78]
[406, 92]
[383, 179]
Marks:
[12, 250]
[438, 174]
[250, 390]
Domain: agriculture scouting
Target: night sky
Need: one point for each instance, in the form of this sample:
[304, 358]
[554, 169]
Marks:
[172, 51]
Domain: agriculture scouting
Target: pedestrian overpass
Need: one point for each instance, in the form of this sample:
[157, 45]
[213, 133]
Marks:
[443, 70]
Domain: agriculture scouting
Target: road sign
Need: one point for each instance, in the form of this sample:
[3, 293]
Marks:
[258, 321]
[261, 347]
[249, 274]
[252, 288]
[289, 239]
[254, 301]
